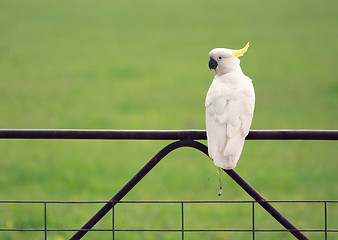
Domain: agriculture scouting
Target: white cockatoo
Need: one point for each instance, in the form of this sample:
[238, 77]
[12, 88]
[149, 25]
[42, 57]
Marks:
[229, 107]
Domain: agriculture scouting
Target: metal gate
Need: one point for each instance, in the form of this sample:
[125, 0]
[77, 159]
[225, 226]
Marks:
[185, 139]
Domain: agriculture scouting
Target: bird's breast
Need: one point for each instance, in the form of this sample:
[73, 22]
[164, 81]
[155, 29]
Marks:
[223, 90]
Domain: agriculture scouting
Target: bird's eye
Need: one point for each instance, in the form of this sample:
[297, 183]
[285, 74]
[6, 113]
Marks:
[219, 58]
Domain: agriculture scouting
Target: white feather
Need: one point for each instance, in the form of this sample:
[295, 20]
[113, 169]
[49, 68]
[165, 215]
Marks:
[229, 111]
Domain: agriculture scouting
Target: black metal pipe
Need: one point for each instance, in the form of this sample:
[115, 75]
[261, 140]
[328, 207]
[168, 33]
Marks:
[265, 204]
[161, 134]
[102, 134]
[292, 135]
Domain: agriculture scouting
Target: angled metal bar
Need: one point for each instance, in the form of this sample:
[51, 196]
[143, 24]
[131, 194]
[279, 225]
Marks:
[152, 163]
[124, 190]
[161, 134]
[265, 204]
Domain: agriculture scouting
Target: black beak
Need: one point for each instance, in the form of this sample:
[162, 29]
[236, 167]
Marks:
[212, 64]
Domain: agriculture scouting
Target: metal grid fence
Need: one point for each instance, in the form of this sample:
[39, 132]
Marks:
[182, 229]
[186, 138]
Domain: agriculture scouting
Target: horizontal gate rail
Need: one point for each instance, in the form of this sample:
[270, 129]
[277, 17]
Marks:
[161, 134]
[164, 201]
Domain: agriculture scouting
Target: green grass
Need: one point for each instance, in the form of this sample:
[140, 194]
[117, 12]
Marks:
[143, 65]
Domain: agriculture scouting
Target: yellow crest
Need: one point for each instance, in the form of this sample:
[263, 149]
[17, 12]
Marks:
[239, 53]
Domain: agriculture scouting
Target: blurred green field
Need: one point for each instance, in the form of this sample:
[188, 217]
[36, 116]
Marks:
[144, 65]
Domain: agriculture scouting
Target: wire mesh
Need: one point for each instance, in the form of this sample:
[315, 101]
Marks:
[183, 224]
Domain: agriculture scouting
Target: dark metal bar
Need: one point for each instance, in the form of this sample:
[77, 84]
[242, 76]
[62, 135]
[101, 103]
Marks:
[209, 230]
[161, 134]
[293, 135]
[126, 188]
[182, 219]
[253, 220]
[113, 222]
[163, 230]
[45, 218]
[325, 216]
[168, 201]
[265, 204]
[102, 134]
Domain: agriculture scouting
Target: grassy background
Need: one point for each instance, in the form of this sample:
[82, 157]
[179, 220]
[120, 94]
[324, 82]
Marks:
[143, 65]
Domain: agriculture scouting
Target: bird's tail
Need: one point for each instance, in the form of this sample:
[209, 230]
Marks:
[225, 162]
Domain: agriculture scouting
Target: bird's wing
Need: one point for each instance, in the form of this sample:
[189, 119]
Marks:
[216, 124]
[247, 106]
[228, 120]
[238, 126]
